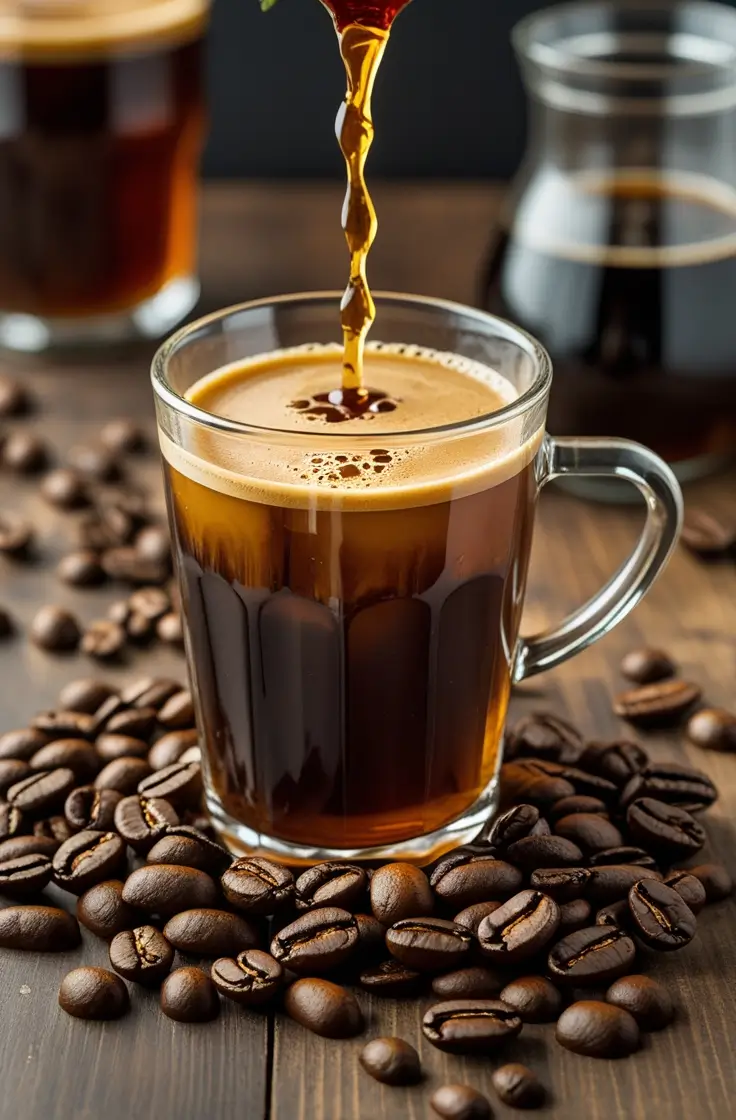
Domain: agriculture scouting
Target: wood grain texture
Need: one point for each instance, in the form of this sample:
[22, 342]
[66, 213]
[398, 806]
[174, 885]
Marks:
[263, 239]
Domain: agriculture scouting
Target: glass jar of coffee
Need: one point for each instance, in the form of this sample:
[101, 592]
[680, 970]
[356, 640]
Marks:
[101, 129]
[618, 244]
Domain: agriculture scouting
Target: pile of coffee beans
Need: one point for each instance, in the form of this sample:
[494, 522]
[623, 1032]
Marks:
[558, 898]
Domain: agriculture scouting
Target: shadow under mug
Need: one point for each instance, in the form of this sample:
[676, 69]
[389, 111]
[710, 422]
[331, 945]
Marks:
[352, 646]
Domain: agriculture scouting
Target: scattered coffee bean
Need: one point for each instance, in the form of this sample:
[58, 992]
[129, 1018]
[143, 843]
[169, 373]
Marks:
[626, 854]
[171, 747]
[122, 436]
[578, 803]
[713, 729]
[28, 845]
[189, 996]
[662, 919]
[598, 1030]
[85, 695]
[55, 630]
[119, 612]
[12, 822]
[561, 883]
[137, 722]
[466, 1026]
[252, 979]
[90, 808]
[666, 830]
[371, 936]
[112, 746]
[595, 955]
[618, 761]
[127, 564]
[177, 712]
[164, 889]
[16, 534]
[80, 569]
[460, 1102]
[93, 993]
[94, 461]
[392, 1061]
[38, 929]
[613, 881]
[468, 983]
[528, 780]
[143, 955]
[42, 791]
[150, 602]
[690, 889]
[429, 944]
[518, 1087]
[126, 775]
[170, 629]
[534, 998]
[103, 640]
[463, 879]
[150, 692]
[65, 488]
[179, 784]
[647, 1000]
[647, 666]
[317, 942]
[7, 626]
[706, 534]
[544, 735]
[656, 705]
[677, 785]
[210, 933]
[141, 821]
[87, 858]
[102, 910]
[55, 828]
[392, 979]
[472, 916]
[716, 880]
[66, 725]
[23, 453]
[24, 875]
[616, 914]
[591, 832]
[14, 399]
[189, 847]
[519, 929]
[103, 529]
[77, 755]
[544, 851]
[515, 824]
[22, 743]
[257, 886]
[139, 628]
[12, 771]
[331, 884]
[400, 890]
[324, 1008]
[574, 915]
[153, 544]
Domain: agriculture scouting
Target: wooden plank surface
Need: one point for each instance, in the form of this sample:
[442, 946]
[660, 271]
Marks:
[263, 239]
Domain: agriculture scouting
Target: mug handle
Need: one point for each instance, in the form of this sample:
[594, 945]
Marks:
[607, 458]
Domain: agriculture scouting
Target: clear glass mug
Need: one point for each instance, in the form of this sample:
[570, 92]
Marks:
[352, 654]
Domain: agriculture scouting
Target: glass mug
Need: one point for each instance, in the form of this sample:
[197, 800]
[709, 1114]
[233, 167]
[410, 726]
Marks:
[352, 658]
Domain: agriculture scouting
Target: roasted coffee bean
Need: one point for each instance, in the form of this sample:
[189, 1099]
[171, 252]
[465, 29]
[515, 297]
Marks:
[166, 889]
[103, 639]
[189, 847]
[143, 955]
[391, 1061]
[210, 933]
[676, 785]
[28, 845]
[22, 743]
[12, 771]
[23, 453]
[189, 996]
[139, 628]
[55, 630]
[93, 993]
[62, 724]
[77, 755]
[662, 918]
[81, 568]
[429, 944]
[616, 914]
[170, 629]
[24, 875]
[136, 722]
[252, 979]
[716, 880]
[647, 666]
[544, 851]
[534, 998]
[574, 915]
[656, 705]
[122, 436]
[543, 735]
[38, 929]
[515, 824]
[626, 854]
[647, 1000]
[154, 543]
[257, 886]
[126, 775]
[316, 942]
[324, 1008]
[400, 890]
[371, 936]
[7, 626]
[141, 821]
[102, 716]
[88, 858]
[528, 781]
[127, 564]
[177, 712]
[462, 879]
[714, 729]
[472, 916]
[561, 883]
[690, 889]
[664, 829]
[42, 791]
[331, 884]
[171, 747]
[90, 808]
[150, 692]
[105, 528]
[467, 1026]
[517, 1086]
[618, 762]
[14, 399]
[578, 803]
[12, 822]
[179, 784]
[119, 612]
[151, 602]
[393, 980]
[16, 534]
[102, 910]
[86, 695]
[707, 535]
[54, 828]
[613, 881]
[597, 1030]
[520, 928]
[591, 833]
[460, 1102]
[595, 955]
[95, 461]
[65, 488]
[111, 746]
[468, 983]
[587, 784]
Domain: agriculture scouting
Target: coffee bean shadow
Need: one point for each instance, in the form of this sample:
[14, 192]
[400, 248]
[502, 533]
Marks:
[720, 844]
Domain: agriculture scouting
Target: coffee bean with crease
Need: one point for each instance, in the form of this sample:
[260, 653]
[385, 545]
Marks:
[109, 747]
[150, 692]
[331, 884]
[657, 705]
[400, 890]
[544, 851]
[171, 747]
[126, 775]
[41, 792]
[77, 755]
[257, 886]
[616, 914]
[574, 915]
[662, 919]
[674, 784]
[690, 889]
[591, 956]
[614, 881]
[64, 724]
[520, 928]
[392, 980]
[578, 803]
[177, 712]
[517, 1086]
[24, 875]
[324, 1008]
[87, 858]
[102, 715]
[185, 845]
[251, 979]
[617, 761]
[472, 916]
[667, 831]
[561, 883]
[429, 944]
[317, 942]
[210, 933]
[468, 983]
[515, 824]
[534, 998]
[102, 910]
[597, 1030]
[534, 781]
[12, 771]
[587, 784]
[626, 854]
[22, 743]
[143, 955]
[90, 808]
[12, 822]
[470, 1026]
[544, 735]
[166, 889]
[179, 784]
[141, 821]
[463, 879]
[591, 833]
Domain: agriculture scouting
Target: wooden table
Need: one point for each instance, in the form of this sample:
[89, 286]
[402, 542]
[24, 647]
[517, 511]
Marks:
[265, 239]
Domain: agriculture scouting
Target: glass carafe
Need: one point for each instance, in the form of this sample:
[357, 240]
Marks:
[618, 242]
